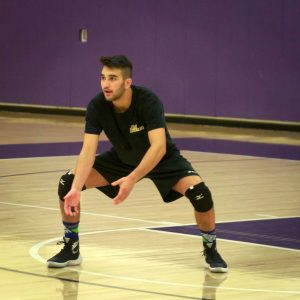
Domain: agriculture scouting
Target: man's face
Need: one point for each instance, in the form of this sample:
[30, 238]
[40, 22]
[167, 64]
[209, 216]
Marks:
[113, 84]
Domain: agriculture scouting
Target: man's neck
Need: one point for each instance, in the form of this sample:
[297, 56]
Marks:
[123, 103]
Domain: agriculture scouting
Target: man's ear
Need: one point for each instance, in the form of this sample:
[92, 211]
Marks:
[128, 83]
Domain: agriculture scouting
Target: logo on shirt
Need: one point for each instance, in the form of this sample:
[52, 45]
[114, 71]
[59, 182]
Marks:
[134, 128]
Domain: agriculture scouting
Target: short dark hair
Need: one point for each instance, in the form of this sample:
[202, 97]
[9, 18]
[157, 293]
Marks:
[119, 62]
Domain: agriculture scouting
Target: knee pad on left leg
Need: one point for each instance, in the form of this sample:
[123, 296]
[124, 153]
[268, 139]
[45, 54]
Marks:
[200, 197]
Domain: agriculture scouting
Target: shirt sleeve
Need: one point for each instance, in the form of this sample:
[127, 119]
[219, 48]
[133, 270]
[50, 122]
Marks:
[92, 120]
[154, 115]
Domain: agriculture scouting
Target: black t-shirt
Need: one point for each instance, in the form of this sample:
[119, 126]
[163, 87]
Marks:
[128, 131]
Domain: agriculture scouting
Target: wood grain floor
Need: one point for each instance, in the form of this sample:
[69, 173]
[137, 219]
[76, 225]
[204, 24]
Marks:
[124, 258]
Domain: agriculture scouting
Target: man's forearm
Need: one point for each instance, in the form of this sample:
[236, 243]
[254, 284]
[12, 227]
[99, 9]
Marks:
[82, 170]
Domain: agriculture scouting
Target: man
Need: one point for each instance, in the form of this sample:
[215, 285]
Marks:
[132, 117]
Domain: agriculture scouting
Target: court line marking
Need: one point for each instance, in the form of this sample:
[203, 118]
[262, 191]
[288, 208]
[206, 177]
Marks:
[98, 284]
[268, 216]
[164, 223]
[93, 214]
[220, 239]
[32, 173]
[34, 252]
[142, 220]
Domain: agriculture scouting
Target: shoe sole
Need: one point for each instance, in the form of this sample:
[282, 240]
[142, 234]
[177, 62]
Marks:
[76, 262]
[216, 270]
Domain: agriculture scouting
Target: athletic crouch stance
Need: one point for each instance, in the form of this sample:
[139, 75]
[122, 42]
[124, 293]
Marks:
[132, 117]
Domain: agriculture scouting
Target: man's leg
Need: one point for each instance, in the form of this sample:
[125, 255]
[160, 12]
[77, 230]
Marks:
[70, 254]
[200, 197]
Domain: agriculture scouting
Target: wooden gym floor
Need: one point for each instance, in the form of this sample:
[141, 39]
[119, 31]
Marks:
[143, 248]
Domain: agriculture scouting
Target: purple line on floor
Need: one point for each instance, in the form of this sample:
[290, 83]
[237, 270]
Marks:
[194, 144]
[283, 232]
[42, 150]
[240, 148]
[39, 150]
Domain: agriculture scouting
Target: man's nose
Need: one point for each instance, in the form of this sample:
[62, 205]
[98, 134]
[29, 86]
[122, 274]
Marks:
[104, 83]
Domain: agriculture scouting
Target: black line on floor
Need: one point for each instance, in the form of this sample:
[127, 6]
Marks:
[97, 284]
[33, 173]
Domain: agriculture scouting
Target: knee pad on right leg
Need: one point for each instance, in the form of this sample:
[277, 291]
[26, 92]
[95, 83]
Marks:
[64, 185]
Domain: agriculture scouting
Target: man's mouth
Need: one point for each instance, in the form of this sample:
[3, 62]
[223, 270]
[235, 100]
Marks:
[107, 92]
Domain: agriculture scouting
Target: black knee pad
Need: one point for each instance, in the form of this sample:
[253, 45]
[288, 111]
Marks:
[200, 197]
[65, 184]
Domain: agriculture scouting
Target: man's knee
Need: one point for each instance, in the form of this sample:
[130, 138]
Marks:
[200, 197]
[65, 184]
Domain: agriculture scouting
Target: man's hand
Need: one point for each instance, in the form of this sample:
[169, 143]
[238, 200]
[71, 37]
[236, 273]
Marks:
[72, 202]
[126, 185]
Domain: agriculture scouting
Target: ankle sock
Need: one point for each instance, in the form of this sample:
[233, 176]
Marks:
[209, 237]
[71, 230]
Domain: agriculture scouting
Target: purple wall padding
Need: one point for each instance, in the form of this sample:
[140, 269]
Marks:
[216, 58]
[35, 52]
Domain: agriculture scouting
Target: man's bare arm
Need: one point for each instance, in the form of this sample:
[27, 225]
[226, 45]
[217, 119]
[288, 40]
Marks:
[83, 168]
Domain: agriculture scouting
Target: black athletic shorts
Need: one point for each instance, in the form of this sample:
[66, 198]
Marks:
[165, 175]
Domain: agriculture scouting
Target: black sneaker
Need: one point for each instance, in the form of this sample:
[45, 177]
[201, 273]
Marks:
[68, 256]
[213, 260]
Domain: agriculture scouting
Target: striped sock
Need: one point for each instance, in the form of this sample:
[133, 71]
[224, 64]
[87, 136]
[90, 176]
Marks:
[71, 230]
[208, 238]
